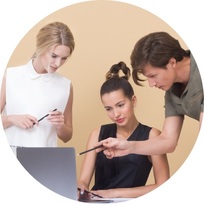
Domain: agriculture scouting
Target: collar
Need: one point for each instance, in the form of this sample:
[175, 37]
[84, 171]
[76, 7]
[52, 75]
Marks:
[32, 74]
[191, 83]
[193, 67]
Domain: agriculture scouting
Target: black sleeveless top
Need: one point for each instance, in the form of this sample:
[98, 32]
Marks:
[122, 172]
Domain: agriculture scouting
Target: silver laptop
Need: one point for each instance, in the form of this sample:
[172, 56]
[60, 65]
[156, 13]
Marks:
[54, 167]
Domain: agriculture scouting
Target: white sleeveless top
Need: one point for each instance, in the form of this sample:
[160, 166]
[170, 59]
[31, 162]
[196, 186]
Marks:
[28, 92]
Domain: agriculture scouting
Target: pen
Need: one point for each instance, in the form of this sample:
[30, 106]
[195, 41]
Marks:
[91, 193]
[44, 116]
[90, 149]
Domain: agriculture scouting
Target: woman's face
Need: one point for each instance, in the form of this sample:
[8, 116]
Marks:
[54, 58]
[120, 109]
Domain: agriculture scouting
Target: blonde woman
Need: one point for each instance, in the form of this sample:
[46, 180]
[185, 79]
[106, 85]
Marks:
[35, 89]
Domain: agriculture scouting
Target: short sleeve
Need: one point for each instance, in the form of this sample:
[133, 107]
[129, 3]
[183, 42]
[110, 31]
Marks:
[170, 109]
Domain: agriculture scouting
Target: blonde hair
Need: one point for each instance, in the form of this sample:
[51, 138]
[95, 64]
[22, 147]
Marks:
[54, 34]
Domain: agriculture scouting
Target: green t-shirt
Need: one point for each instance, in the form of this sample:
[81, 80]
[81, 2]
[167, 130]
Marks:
[190, 102]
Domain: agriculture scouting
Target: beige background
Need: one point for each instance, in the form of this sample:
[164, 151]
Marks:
[105, 33]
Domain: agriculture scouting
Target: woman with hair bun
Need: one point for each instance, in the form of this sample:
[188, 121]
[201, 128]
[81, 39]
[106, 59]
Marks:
[121, 177]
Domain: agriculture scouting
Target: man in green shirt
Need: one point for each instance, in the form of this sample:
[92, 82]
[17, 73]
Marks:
[167, 66]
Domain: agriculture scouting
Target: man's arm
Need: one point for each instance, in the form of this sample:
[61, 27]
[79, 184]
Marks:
[166, 142]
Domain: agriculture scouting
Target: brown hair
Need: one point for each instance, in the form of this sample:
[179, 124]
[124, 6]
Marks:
[155, 49]
[115, 82]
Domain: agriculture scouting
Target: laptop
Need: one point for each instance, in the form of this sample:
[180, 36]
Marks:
[54, 167]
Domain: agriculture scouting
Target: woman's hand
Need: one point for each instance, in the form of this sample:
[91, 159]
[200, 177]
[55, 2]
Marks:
[23, 121]
[110, 193]
[83, 193]
[56, 118]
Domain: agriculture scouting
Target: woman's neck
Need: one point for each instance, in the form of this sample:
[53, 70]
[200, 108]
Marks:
[124, 132]
[38, 66]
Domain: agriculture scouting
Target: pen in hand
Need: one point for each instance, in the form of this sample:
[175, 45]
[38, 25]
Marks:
[90, 149]
[44, 116]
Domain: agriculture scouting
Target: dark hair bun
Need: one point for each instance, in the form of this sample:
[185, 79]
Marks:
[116, 69]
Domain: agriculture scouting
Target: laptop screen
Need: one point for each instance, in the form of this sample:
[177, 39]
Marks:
[54, 167]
